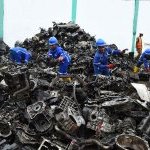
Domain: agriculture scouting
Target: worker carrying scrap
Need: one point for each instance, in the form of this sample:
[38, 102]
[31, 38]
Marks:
[144, 59]
[60, 55]
[100, 62]
[19, 55]
[139, 45]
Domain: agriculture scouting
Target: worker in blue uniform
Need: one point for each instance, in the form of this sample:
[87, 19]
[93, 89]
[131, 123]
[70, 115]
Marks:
[101, 57]
[144, 59]
[60, 55]
[19, 55]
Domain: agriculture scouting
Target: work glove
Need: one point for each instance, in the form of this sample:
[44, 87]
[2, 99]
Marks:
[111, 66]
[147, 70]
[136, 69]
[59, 59]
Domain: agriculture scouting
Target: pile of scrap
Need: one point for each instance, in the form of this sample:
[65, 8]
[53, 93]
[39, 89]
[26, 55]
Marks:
[40, 110]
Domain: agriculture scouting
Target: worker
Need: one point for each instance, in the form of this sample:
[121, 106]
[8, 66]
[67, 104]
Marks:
[144, 59]
[19, 55]
[139, 45]
[101, 57]
[60, 55]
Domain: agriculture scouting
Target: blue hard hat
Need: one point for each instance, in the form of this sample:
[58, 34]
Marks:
[100, 42]
[52, 41]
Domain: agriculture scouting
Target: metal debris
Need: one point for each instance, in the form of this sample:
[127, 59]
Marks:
[41, 111]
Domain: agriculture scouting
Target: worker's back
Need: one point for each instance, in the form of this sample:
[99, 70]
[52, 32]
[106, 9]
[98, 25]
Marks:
[19, 55]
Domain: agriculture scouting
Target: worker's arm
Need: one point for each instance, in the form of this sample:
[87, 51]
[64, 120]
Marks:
[97, 62]
[111, 51]
[60, 55]
[141, 60]
[27, 57]
[146, 63]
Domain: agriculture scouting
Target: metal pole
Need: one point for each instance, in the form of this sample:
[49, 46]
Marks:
[136, 9]
[74, 10]
[1, 18]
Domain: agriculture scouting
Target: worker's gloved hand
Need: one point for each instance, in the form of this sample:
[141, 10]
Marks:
[111, 66]
[147, 70]
[59, 59]
[136, 69]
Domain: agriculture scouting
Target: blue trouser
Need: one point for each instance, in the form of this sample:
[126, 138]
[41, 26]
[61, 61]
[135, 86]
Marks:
[98, 70]
[63, 68]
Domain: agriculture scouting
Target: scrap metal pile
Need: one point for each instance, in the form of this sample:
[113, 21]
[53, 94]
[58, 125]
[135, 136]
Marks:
[42, 111]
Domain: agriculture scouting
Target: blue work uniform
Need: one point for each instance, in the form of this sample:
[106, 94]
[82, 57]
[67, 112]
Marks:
[144, 59]
[19, 55]
[100, 61]
[64, 64]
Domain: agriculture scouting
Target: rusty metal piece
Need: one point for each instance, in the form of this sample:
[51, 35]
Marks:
[5, 130]
[128, 141]
[41, 116]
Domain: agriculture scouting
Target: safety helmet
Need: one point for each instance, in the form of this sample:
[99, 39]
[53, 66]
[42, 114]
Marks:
[52, 41]
[100, 42]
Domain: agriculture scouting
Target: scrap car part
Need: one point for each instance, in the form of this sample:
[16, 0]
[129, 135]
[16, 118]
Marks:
[23, 89]
[5, 130]
[144, 76]
[88, 142]
[145, 125]
[25, 138]
[70, 118]
[67, 123]
[69, 103]
[48, 144]
[71, 109]
[17, 79]
[41, 115]
[26, 135]
[142, 91]
[36, 109]
[121, 104]
[133, 142]
[99, 121]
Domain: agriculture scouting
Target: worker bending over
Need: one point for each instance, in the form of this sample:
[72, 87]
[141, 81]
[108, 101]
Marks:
[144, 59]
[60, 55]
[19, 55]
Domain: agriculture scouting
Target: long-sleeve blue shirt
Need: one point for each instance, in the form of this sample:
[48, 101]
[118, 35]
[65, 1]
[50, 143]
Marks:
[19, 55]
[101, 59]
[145, 58]
[111, 51]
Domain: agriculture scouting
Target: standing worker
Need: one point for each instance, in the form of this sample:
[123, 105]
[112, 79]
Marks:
[19, 55]
[60, 55]
[139, 45]
[144, 59]
[101, 57]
